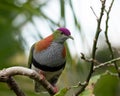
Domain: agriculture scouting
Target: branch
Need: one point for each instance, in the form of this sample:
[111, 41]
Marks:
[89, 60]
[5, 76]
[99, 65]
[107, 39]
[13, 85]
[94, 46]
[94, 13]
[106, 63]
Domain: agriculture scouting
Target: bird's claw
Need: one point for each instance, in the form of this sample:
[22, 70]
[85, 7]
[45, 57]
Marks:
[55, 89]
[42, 75]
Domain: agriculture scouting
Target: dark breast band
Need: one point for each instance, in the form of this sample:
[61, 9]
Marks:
[47, 68]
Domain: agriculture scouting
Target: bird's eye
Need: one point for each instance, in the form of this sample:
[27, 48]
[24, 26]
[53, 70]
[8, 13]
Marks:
[61, 32]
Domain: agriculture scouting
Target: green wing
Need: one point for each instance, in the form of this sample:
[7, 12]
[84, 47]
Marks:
[30, 56]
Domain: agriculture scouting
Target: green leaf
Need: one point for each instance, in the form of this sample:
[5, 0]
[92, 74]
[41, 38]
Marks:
[86, 93]
[107, 85]
[62, 92]
[89, 90]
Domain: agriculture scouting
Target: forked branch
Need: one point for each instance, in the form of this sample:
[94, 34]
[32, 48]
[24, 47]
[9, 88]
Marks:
[6, 74]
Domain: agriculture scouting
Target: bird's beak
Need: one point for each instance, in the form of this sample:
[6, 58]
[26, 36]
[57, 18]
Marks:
[70, 37]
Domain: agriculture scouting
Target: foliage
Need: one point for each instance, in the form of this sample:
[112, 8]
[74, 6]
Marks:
[62, 92]
[107, 85]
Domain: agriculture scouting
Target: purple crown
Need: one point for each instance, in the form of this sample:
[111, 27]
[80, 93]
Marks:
[64, 31]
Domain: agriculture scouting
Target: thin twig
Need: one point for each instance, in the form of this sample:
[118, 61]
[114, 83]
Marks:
[12, 71]
[107, 39]
[106, 63]
[99, 65]
[89, 60]
[94, 13]
[94, 47]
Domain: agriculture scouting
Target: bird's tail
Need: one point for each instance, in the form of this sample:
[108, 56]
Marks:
[39, 88]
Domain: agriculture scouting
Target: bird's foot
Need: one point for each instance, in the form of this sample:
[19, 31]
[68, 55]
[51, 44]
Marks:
[42, 75]
[55, 89]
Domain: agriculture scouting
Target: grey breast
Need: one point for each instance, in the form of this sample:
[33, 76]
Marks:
[52, 56]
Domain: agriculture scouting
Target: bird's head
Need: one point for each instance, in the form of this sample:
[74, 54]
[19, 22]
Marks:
[62, 34]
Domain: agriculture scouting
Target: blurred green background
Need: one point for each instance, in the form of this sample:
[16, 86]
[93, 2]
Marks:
[16, 15]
